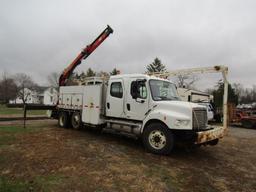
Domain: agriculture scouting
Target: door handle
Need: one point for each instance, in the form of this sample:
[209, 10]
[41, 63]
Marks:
[108, 105]
[128, 106]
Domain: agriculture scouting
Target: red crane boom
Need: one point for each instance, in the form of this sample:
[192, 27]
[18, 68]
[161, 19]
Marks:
[83, 55]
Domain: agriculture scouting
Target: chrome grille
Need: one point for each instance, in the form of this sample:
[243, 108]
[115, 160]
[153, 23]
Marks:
[199, 118]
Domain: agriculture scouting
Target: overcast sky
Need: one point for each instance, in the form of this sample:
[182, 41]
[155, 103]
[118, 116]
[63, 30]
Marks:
[39, 37]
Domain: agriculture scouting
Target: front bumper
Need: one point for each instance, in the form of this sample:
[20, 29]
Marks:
[209, 135]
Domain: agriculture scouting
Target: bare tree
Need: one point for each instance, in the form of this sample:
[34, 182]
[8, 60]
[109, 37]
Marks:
[239, 90]
[187, 81]
[25, 85]
[8, 88]
[53, 79]
[246, 95]
[254, 93]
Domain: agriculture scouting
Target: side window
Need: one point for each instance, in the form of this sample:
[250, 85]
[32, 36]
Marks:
[141, 89]
[116, 89]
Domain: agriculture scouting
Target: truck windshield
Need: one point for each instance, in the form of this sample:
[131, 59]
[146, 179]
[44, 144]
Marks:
[163, 90]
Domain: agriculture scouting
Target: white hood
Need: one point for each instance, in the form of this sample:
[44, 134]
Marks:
[178, 105]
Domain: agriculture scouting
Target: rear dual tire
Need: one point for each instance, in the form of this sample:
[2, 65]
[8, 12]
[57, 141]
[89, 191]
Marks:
[65, 120]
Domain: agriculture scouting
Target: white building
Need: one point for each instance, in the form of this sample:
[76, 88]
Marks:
[43, 95]
[30, 96]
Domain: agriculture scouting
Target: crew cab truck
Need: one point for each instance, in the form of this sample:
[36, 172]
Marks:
[138, 104]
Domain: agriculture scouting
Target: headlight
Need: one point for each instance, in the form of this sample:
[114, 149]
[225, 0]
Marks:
[181, 123]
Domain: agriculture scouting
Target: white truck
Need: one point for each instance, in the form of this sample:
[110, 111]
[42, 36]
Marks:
[138, 104]
[142, 105]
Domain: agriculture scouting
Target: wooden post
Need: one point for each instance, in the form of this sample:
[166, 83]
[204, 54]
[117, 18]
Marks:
[225, 100]
[24, 115]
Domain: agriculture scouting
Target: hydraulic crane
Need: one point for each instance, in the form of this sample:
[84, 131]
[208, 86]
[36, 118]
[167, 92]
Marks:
[83, 55]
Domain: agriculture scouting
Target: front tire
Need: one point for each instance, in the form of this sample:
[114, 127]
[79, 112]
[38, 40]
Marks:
[158, 139]
[76, 120]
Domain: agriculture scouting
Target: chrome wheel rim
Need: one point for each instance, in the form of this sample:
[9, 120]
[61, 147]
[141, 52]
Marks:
[157, 139]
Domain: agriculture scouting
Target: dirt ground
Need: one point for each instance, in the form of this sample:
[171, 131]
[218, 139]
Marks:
[43, 157]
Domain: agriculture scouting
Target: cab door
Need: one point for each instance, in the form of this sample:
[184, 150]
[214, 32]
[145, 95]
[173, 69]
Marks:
[136, 108]
[115, 99]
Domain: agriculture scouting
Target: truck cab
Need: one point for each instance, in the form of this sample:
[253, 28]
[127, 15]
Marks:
[145, 98]
[153, 103]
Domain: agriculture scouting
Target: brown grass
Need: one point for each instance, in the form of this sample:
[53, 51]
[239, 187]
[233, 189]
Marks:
[54, 159]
